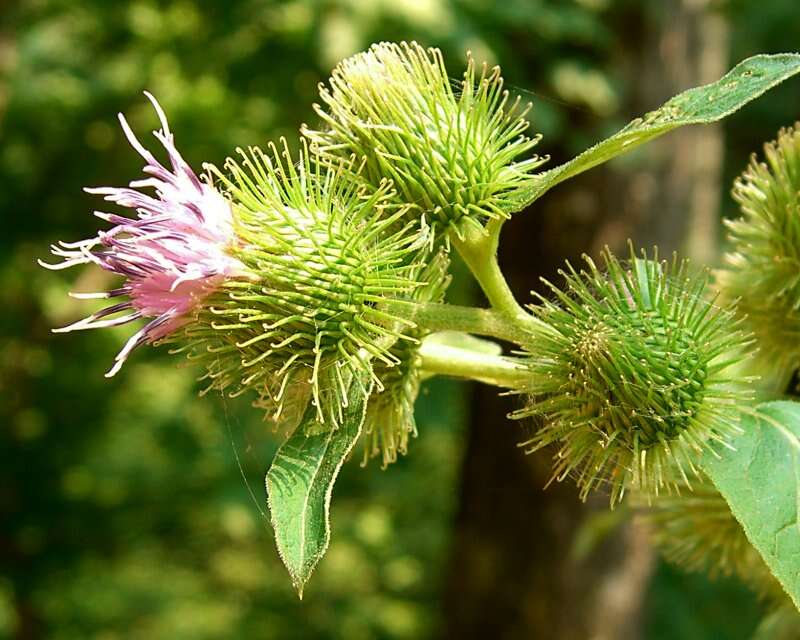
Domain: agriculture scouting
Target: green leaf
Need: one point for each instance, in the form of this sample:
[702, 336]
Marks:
[760, 479]
[701, 105]
[300, 482]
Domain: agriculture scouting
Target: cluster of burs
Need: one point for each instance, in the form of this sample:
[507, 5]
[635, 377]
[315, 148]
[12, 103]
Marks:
[636, 368]
[337, 240]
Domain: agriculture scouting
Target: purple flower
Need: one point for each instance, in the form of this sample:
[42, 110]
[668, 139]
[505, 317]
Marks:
[172, 255]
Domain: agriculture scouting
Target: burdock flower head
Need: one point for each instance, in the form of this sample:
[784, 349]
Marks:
[172, 254]
[633, 380]
[329, 256]
[762, 268]
[457, 155]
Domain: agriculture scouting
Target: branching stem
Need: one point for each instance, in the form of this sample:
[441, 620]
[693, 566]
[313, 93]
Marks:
[483, 322]
[479, 251]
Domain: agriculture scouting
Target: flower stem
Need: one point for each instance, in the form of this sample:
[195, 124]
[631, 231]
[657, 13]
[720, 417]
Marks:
[479, 251]
[442, 359]
[483, 322]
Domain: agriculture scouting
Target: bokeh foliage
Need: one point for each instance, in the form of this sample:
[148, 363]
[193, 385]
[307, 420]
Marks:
[123, 512]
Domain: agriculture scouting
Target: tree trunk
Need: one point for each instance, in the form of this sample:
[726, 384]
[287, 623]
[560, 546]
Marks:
[520, 565]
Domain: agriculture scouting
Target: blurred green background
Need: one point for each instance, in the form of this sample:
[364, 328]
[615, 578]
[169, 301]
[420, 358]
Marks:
[130, 508]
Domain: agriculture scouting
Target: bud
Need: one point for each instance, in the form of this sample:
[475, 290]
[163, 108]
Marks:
[761, 269]
[632, 378]
[325, 256]
[453, 154]
[390, 419]
[172, 256]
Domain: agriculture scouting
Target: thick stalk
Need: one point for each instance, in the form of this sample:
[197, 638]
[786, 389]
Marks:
[479, 251]
[483, 322]
[442, 359]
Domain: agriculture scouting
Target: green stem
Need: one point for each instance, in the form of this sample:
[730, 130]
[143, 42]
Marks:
[483, 322]
[447, 360]
[479, 251]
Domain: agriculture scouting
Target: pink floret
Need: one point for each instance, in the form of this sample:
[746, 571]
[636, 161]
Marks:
[161, 294]
[172, 255]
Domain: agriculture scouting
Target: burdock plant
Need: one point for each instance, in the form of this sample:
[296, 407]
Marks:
[317, 281]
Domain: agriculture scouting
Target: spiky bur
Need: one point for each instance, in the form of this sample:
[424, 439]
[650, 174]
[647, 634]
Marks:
[696, 530]
[632, 378]
[762, 268]
[326, 255]
[389, 421]
[457, 155]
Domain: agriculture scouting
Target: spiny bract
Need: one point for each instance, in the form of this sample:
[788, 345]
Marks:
[325, 256]
[762, 269]
[453, 154]
[390, 419]
[632, 378]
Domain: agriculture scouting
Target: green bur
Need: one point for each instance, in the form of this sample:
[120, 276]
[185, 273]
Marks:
[456, 155]
[762, 269]
[325, 255]
[632, 379]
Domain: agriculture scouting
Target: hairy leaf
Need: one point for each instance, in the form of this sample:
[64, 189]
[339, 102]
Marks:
[701, 105]
[300, 483]
[760, 479]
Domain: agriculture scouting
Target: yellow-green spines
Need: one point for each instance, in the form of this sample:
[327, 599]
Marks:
[762, 268]
[632, 377]
[389, 421]
[325, 255]
[455, 154]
